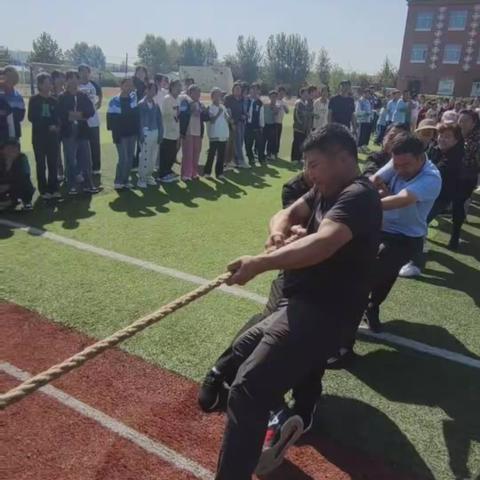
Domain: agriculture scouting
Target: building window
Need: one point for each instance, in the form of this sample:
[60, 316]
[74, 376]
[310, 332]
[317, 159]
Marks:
[452, 53]
[475, 89]
[419, 53]
[424, 22]
[457, 20]
[446, 87]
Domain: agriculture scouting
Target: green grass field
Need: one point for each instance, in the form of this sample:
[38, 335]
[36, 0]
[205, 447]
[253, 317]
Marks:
[418, 412]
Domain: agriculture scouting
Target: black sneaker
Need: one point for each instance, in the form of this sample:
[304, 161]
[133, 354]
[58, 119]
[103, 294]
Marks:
[213, 392]
[371, 317]
[284, 429]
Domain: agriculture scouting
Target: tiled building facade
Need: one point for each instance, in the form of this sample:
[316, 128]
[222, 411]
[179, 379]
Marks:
[441, 48]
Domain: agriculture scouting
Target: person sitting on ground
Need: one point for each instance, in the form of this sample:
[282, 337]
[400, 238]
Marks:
[342, 218]
[123, 122]
[375, 161]
[42, 113]
[218, 133]
[15, 183]
[150, 135]
[409, 185]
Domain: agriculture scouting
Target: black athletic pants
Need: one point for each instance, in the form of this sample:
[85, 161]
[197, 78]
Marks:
[270, 133]
[279, 128]
[46, 151]
[168, 155]
[395, 251]
[298, 139]
[217, 149]
[254, 136]
[288, 349]
[95, 150]
[364, 136]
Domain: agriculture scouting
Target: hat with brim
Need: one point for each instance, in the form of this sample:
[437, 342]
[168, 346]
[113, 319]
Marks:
[426, 124]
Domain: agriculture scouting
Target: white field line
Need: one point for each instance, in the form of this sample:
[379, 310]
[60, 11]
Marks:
[144, 442]
[237, 292]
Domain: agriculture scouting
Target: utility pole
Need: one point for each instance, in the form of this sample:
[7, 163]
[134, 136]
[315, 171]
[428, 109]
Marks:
[126, 64]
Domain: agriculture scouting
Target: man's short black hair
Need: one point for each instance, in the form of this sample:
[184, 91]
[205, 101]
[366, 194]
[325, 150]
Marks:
[72, 73]
[125, 80]
[407, 143]
[57, 74]
[41, 77]
[159, 77]
[330, 140]
[312, 88]
[84, 66]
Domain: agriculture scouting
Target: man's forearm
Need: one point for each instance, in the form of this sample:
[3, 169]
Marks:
[280, 223]
[305, 252]
[392, 202]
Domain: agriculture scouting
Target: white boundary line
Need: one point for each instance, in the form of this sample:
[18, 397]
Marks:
[151, 446]
[237, 292]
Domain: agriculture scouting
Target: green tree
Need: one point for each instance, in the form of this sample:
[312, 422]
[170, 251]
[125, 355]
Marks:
[174, 54]
[84, 53]
[154, 53]
[388, 74]
[288, 59]
[323, 67]
[210, 52]
[46, 50]
[231, 61]
[249, 58]
[192, 52]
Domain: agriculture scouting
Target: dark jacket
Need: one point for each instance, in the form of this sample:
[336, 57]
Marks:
[471, 161]
[449, 164]
[294, 189]
[375, 162]
[17, 104]
[42, 113]
[254, 111]
[122, 117]
[70, 103]
[236, 107]
[150, 118]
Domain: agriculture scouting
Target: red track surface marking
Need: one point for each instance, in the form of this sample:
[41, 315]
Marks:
[48, 440]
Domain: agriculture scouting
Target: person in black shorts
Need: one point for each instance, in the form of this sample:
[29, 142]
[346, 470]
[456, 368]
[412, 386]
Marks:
[341, 217]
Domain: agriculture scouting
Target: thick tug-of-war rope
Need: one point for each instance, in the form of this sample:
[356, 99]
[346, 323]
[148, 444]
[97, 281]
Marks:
[29, 386]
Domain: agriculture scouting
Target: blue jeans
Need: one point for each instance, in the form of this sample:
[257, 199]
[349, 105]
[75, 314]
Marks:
[78, 160]
[239, 139]
[126, 151]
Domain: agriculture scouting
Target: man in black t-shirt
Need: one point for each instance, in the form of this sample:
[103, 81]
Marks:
[341, 108]
[327, 281]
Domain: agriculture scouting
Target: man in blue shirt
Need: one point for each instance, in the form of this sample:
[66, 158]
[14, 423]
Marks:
[409, 185]
[392, 106]
[401, 115]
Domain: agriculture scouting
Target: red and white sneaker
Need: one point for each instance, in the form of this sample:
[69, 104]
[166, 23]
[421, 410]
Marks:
[284, 429]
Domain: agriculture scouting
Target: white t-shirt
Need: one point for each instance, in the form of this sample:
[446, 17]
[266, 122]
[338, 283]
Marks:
[320, 113]
[91, 92]
[170, 112]
[160, 97]
[218, 130]
[282, 110]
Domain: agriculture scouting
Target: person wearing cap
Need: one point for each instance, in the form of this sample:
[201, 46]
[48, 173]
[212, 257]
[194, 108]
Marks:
[15, 183]
[427, 133]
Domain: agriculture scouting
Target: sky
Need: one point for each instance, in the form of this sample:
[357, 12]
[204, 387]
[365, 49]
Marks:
[358, 34]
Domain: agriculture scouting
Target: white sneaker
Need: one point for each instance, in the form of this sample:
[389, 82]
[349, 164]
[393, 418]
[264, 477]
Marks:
[426, 248]
[56, 195]
[134, 170]
[97, 172]
[73, 191]
[186, 179]
[46, 196]
[141, 184]
[129, 185]
[221, 177]
[410, 270]
[244, 165]
[27, 207]
[207, 176]
[118, 186]
[151, 181]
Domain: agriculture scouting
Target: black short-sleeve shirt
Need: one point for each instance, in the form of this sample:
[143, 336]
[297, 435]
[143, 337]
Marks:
[342, 109]
[342, 282]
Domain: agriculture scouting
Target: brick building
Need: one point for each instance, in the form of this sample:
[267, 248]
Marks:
[441, 48]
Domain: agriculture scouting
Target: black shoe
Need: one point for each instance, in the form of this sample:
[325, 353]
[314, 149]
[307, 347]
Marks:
[213, 393]
[371, 317]
[344, 359]
[454, 244]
